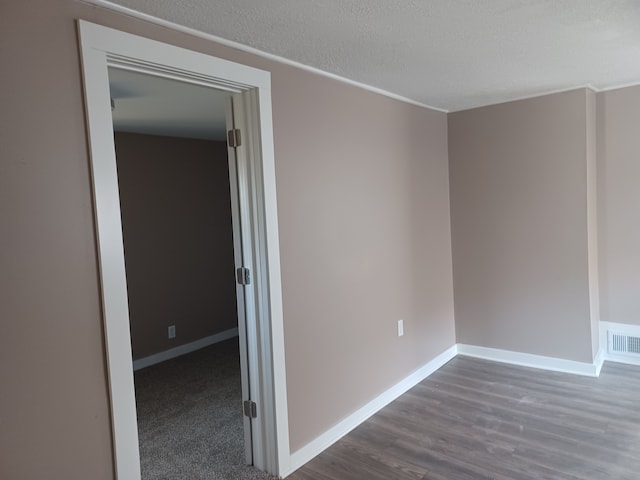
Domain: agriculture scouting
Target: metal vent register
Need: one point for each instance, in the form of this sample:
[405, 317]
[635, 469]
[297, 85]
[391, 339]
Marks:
[626, 344]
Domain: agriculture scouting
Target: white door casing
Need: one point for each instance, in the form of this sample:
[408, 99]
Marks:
[238, 261]
[102, 47]
[239, 173]
[251, 215]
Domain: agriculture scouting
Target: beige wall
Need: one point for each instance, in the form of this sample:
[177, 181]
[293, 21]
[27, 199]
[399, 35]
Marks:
[619, 204]
[54, 411]
[364, 234]
[519, 226]
[364, 225]
[176, 218]
[592, 220]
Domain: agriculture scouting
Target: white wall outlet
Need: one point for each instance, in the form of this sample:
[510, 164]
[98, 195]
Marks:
[400, 328]
[172, 331]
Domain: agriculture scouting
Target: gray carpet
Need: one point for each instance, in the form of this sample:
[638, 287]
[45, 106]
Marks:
[189, 417]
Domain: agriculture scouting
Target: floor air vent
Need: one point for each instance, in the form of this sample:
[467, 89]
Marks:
[626, 344]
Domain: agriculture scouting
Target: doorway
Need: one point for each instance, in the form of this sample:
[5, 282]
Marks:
[257, 259]
[175, 203]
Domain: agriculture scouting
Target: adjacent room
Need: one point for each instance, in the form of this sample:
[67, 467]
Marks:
[438, 201]
[175, 202]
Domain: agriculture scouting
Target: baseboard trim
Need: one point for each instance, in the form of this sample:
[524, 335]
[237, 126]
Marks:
[321, 443]
[184, 349]
[529, 360]
[612, 357]
[624, 329]
[328, 438]
[599, 360]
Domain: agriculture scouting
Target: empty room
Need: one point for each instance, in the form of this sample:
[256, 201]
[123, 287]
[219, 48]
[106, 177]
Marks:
[425, 261]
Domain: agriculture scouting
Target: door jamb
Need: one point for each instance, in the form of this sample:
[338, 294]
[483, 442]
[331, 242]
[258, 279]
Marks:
[101, 46]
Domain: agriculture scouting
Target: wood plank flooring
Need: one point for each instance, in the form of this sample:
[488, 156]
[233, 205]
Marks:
[475, 419]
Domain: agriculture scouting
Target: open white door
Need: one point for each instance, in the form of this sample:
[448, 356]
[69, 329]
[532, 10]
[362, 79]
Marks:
[237, 156]
[251, 276]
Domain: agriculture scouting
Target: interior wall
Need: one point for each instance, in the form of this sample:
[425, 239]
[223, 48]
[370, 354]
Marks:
[619, 197]
[363, 203]
[363, 209]
[178, 242]
[592, 220]
[520, 226]
[54, 409]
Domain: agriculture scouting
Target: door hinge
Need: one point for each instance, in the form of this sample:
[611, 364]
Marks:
[243, 275]
[233, 138]
[250, 409]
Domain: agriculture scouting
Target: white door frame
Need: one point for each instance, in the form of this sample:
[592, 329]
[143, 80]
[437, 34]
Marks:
[238, 259]
[102, 47]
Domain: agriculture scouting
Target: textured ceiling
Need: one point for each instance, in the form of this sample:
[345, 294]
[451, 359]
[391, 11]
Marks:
[449, 54]
[159, 106]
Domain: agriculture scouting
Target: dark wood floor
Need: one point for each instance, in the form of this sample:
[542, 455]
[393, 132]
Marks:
[475, 419]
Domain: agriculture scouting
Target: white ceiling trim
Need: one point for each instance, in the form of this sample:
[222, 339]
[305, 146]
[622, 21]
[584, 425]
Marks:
[536, 95]
[239, 46]
[109, 5]
[617, 87]
[588, 86]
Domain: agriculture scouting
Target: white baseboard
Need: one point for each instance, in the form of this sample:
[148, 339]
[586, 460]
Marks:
[624, 329]
[599, 360]
[328, 438]
[321, 443]
[612, 357]
[184, 349]
[529, 360]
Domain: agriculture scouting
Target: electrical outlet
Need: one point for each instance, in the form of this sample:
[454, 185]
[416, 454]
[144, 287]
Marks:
[400, 328]
[172, 331]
